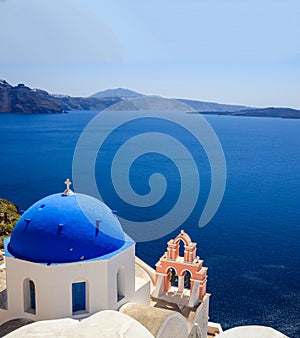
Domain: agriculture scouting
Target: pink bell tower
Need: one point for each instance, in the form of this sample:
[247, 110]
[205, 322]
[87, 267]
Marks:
[184, 276]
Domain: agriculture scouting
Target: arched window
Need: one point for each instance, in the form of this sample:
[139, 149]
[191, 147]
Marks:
[121, 283]
[29, 296]
[79, 297]
[181, 248]
[187, 280]
[173, 277]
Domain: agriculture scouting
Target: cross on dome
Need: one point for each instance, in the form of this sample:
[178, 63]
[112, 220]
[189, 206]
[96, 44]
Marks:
[68, 191]
[68, 183]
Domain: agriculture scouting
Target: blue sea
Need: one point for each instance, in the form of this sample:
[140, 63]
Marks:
[252, 245]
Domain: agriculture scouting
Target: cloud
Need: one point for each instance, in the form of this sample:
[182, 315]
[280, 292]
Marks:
[39, 31]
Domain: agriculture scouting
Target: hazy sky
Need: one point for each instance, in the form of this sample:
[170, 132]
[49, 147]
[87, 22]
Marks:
[229, 51]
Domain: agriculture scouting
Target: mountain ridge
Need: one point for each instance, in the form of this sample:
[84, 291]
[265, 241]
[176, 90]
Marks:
[117, 92]
[22, 99]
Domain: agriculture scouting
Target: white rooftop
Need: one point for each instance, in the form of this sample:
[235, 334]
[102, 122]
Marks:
[252, 332]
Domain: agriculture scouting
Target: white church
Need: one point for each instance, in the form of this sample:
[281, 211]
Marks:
[70, 270]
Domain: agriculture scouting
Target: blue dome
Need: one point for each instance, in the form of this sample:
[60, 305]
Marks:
[66, 228]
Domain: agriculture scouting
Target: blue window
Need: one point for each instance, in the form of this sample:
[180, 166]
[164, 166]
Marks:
[78, 297]
[32, 295]
[29, 296]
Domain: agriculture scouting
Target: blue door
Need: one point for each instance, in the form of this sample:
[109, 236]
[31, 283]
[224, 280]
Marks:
[78, 297]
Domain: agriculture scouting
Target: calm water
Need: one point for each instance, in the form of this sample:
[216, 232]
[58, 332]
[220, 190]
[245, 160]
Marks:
[251, 246]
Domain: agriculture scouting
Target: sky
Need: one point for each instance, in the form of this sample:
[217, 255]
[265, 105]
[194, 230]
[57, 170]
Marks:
[226, 51]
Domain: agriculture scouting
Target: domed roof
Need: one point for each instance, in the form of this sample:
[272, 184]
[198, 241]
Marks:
[65, 228]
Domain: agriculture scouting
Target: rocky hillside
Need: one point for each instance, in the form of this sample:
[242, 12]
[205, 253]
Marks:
[9, 215]
[22, 99]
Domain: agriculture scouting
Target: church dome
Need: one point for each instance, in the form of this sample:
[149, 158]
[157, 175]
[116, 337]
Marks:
[65, 228]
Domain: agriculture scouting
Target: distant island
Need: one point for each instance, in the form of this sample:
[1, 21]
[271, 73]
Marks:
[22, 99]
